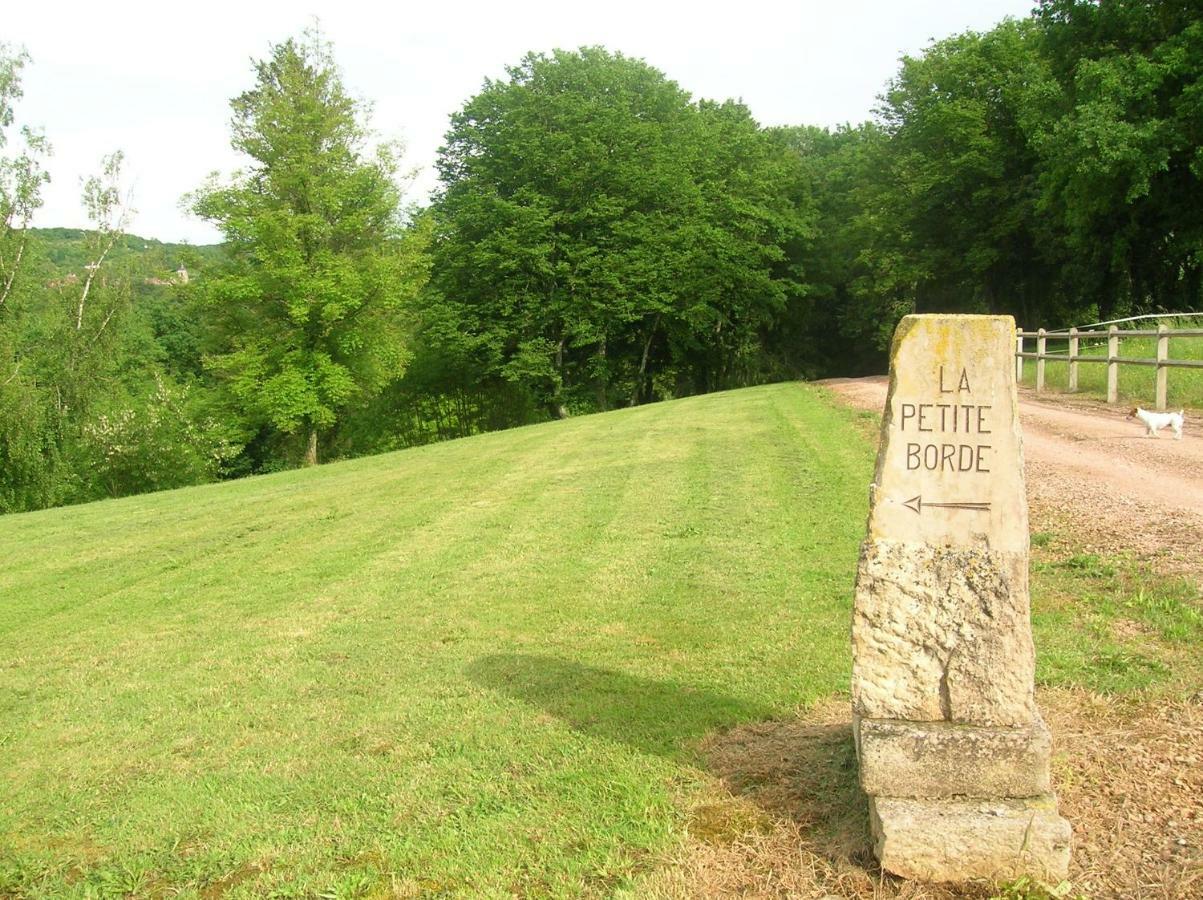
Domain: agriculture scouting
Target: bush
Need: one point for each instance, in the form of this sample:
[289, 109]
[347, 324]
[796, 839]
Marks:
[152, 445]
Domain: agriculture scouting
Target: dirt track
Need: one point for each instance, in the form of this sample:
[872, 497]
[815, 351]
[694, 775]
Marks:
[1094, 477]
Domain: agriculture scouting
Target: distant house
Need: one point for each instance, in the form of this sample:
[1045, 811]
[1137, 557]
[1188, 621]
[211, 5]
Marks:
[181, 277]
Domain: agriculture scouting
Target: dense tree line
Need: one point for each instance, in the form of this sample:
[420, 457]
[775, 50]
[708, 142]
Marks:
[602, 240]
[599, 239]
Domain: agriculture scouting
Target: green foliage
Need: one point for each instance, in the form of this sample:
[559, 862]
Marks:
[1046, 168]
[436, 400]
[846, 315]
[30, 461]
[151, 444]
[307, 318]
[31, 466]
[596, 228]
[1121, 161]
[959, 180]
[22, 174]
[86, 409]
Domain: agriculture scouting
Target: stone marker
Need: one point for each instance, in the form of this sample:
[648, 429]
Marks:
[953, 754]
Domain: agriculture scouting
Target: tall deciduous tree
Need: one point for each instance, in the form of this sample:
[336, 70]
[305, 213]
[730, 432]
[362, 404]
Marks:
[962, 192]
[28, 448]
[1121, 169]
[600, 238]
[307, 319]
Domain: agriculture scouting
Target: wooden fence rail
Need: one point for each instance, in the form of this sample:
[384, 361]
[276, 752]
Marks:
[1112, 360]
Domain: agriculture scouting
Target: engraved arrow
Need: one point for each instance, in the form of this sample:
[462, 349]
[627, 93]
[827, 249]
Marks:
[916, 504]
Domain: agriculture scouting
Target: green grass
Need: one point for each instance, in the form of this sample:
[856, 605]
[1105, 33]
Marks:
[1111, 626]
[480, 667]
[477, 668]
[1136, 383]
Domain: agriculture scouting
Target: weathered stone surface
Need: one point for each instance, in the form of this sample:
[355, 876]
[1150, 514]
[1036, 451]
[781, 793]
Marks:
[957, 840]
[941, 624]
[941, 760]
[950, 434]
[942, 633]
[952, 751]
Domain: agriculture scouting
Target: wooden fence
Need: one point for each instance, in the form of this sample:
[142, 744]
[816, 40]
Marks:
[1112, 360]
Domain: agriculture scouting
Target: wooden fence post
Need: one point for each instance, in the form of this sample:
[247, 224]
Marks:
[1163, 353]
[1041, 343]
[1018, 358]
[1073, 359]
[1112, 365]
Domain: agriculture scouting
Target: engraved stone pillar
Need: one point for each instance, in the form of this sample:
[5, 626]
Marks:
[953, 753]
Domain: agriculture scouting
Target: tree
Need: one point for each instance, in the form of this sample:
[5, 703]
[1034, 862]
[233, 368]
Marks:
[307, 317]
[85, 341]
[601, 239]
[1122, 161]
[30, 461]
[841, 176]
[1049, 168]
[110, 214]
[21, 175]
[962, 191]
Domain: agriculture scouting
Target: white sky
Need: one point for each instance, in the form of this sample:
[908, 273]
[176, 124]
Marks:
[155, 79]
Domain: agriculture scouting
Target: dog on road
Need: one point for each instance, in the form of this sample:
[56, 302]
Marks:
[1155, 421]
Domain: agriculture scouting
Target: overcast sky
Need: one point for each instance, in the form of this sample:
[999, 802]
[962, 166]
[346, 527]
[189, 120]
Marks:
[155, 79]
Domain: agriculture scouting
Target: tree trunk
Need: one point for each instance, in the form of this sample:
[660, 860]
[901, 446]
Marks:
[92, 268]
[557, 402]
[601, 385]
[647, 348]
[311, 450]
[12, 274]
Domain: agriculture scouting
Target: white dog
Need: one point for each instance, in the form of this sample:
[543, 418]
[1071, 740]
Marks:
[1155, 421]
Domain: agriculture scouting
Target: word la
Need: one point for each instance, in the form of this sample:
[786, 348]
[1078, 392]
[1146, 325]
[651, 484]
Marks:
[962, 383]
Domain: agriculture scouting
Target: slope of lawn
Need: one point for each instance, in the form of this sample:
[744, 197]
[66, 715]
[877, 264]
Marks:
[475, 668]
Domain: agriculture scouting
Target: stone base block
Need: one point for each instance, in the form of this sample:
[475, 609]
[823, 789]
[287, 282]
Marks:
[944, 760]
[960, 840]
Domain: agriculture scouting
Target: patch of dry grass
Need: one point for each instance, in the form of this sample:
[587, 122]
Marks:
[788, 821]
[1129, 774]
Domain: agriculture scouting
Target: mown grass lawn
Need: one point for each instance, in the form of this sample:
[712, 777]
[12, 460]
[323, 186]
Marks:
[480, 667]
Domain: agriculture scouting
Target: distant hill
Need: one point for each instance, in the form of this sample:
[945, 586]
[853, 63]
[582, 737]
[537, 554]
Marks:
[67, 250]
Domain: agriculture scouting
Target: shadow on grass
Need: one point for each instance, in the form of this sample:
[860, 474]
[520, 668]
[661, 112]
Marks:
[799, 773]
[661, 717]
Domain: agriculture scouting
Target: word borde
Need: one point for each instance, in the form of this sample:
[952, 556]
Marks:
[950, 416]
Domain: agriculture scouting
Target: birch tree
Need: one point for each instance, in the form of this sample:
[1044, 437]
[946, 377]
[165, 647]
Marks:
[21, 174]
